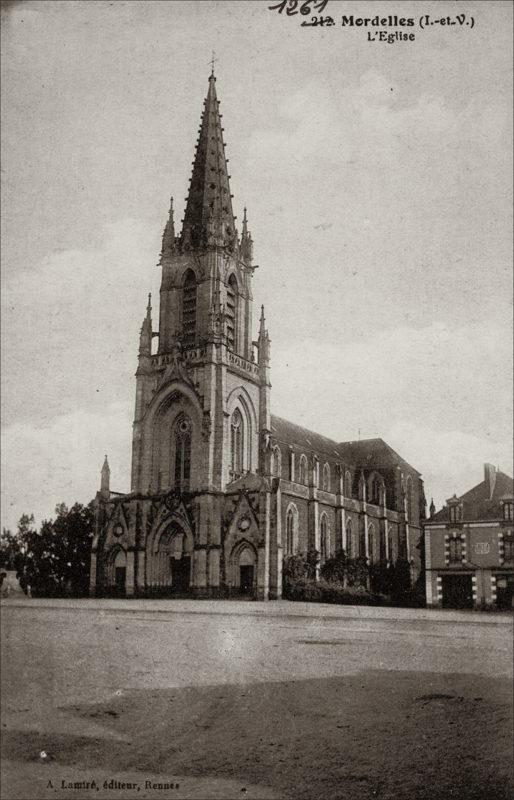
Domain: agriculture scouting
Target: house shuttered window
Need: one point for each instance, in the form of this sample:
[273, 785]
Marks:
[455, 550]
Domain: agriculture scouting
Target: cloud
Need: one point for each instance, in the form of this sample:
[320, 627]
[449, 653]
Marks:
[451, 461]
[61, 461]
[439, 394]
[69, 326]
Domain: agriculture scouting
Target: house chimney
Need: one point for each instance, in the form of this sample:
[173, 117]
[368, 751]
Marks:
[490, 478]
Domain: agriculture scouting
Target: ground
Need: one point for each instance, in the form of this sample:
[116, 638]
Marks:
[253, 700]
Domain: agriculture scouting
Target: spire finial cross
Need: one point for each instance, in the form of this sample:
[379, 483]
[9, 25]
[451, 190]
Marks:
[212, 62]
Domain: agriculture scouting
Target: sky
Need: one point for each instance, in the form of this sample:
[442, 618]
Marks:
[377, 179]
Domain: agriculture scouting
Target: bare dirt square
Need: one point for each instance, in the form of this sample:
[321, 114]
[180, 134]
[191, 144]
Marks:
[179, 699]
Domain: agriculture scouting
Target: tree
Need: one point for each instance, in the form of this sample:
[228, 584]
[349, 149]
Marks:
[9, 549]
[380, 577]
[335, 568]
[312, 561]
[294, 569]
[400, 580]
[57, 557]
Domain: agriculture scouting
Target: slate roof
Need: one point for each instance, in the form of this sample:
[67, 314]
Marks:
[366, 453]
[374, 453]
[477, 505]
[289, 433]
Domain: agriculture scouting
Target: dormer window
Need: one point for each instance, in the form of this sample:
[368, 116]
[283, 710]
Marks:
[455, 506]
[508, 510]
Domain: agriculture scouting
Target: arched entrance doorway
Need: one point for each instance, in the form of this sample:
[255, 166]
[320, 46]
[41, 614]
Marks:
[172, 561]
[116, 572]
[245, 570]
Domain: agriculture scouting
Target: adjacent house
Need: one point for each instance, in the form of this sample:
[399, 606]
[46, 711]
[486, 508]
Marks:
[469, 547]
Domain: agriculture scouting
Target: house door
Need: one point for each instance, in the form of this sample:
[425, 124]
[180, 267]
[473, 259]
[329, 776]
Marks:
[246, 579]
[119, 578]
[457, 591]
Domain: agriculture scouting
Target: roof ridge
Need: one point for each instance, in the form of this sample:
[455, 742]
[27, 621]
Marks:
[332, 442]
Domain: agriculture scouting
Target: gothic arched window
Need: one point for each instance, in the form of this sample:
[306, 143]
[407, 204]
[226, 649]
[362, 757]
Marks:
[232, 320]
[182, 441]
[302, 470]
[189, 308]
[348, 483]
[326, 478]
[371, 542]
[376, 491]
[237, 442]
[291, 529]
[349, 539]
[324, 539]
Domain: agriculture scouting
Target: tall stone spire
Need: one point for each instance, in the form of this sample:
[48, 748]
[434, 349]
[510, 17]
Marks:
[168, 237]
[209, 219]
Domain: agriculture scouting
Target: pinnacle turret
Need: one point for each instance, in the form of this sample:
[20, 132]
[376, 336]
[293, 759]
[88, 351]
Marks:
[145, 337]
[246, 242]
[263, 343]
[105, 478]
[262, 324]
[209, 219]
[168, 237]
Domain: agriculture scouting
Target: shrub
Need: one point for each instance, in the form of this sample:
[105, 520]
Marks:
[335, 568]
[400, 583]
[357, 572]
[323, 591]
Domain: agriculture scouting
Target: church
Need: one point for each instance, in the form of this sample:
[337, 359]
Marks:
[222, 491]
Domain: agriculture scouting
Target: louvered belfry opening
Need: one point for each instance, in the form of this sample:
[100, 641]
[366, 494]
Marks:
[189, 309]
[232, 313]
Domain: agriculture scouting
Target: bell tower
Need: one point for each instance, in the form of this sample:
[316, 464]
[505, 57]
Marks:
[197, 518]
[204, 345]
[207, 268]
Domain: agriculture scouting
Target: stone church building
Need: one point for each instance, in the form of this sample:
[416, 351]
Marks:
[222, 490]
